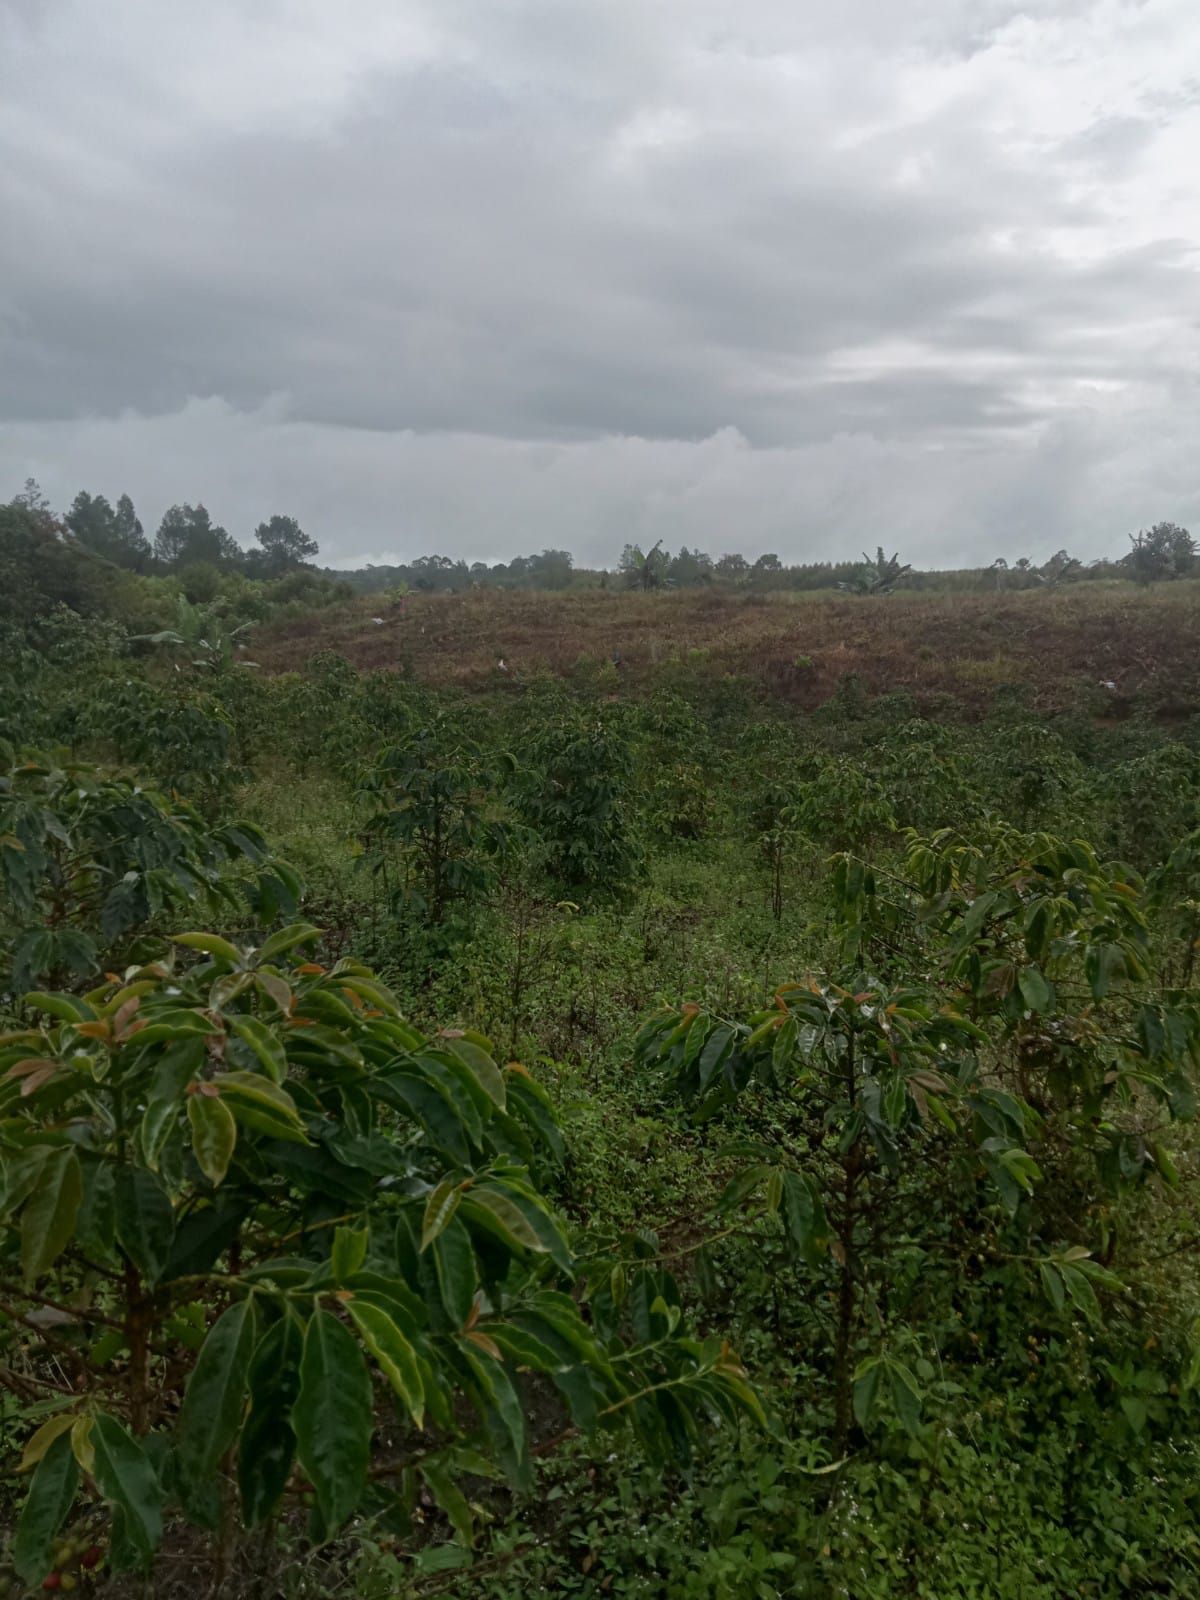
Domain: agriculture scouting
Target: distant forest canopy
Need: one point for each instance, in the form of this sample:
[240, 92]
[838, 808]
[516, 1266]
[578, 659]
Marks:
[203, 556]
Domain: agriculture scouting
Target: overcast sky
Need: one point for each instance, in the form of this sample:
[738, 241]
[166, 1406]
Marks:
[483, 276]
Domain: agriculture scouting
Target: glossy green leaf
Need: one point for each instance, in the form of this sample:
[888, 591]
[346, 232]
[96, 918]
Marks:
[1053, 1284]
[486, 1072]
[261, 1103]
[287, 939]
[145, 1221]
[48, 1218]
[503, 1416]
[349, 1251]
[1035, 991]
[906, 1398]
[528, 1100]
[96, 1218]
[394, 1353]
[1081, 1292]
[66, 1007]
[126, 1479]
[440, 1482]
[210, 944]
[439, 1208]
[454, 1261]
[333, 1417]
[501, 1214]
[214, 1135]
[50, 1498]
[264, 1043]
[175, 1069]
[214, 1397]
[267, 1446]
[804, 1216]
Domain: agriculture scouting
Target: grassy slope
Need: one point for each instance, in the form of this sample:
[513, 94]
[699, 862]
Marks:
[1144, 641]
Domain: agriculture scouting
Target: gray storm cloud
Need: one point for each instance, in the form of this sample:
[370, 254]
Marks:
[482, 279]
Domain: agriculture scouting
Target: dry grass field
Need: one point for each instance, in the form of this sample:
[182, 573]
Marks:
[1146, 642]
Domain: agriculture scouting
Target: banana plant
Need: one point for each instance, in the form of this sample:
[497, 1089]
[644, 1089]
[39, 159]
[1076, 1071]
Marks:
[203, 633]
[878, 576]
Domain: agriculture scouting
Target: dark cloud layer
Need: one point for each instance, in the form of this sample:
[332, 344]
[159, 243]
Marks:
[451, 274]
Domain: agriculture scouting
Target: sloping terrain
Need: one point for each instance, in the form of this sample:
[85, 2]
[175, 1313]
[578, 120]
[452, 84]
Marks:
[1141, 641]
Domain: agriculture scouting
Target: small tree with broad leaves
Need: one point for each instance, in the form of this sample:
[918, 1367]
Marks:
[295, 1246]
[1019, 1037]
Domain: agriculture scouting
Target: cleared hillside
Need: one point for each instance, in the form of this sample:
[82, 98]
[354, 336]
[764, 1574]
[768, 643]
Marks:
[1143, 641]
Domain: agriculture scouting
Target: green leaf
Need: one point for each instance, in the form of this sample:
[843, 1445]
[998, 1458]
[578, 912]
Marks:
[454, 1261]
[413, 1095]
[396, 1357]
[503, 1415]
[214, 1135]
[522, 1347]
[450, 1498]
[126, 1479]
[866, 1390]
[1163, 1161]
[716, 1049]
[145, 1221]
[287, 939]
[1100, 1275]
[177, 1024]
[211, 944]
[267, 1445]
[539, 1219]
[175, 1069]
[266, 1046]
[66, 1007]
[804, 1216]
[333, 1418]
[48, 1219]
[202, 1236]
[906, 1397]
[529, 1101]
[349, 1251]
[439, 1208]
[262, 1104]
[41, 1440]
[51, 1496]
[1035, 991]
[1081, 1292]
[502, 1216]
[1135, 1411]
[1053, 1284]
[1101, 964]
[784, 1045]
[21, 1173]
[486, 1072]
[213, 1400]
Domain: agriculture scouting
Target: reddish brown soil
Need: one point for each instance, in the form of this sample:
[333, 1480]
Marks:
[1144, 641]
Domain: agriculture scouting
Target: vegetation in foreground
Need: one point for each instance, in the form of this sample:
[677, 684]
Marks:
[614, 1131]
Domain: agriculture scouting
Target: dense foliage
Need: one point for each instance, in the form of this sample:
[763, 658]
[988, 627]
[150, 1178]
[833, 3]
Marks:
[863, 1043]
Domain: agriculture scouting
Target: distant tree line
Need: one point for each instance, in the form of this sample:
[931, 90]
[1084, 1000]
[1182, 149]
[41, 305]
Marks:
[1163, 552]
[187, 536]
[98, 560]
[204, 556]
[552, 570]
